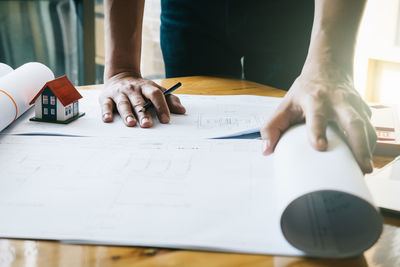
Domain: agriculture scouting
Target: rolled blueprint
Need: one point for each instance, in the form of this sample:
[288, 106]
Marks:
[17, 89]
[325, 206]
[4, 69]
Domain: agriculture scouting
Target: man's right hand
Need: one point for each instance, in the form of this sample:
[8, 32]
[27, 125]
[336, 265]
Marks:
[129, 93]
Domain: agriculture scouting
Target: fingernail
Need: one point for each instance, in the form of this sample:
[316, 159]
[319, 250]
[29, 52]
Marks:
[145, 121]
[106, 116]
[368, 164]
[164, 118]
[129, 119]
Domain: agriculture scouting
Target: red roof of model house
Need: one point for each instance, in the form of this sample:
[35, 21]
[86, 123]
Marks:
[63, 89]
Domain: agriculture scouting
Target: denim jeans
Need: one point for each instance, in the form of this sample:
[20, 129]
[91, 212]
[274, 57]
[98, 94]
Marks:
[265, 41]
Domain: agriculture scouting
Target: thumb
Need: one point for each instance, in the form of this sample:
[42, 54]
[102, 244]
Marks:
[273, 130]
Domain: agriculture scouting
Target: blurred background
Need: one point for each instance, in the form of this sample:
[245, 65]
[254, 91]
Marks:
[68, 36]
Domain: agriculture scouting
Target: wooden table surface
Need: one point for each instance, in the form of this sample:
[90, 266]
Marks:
[386, 252]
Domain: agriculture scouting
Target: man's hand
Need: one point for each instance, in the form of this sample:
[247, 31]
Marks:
[125, 89]
[324, 91]
[322, 96]
[129, 93]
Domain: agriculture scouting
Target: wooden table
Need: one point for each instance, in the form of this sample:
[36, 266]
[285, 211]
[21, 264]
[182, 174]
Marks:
[386, 252]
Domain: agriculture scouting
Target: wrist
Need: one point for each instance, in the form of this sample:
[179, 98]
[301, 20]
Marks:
[322, 71]
[121, 72]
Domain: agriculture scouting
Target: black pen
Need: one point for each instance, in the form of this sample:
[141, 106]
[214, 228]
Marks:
[149, 104]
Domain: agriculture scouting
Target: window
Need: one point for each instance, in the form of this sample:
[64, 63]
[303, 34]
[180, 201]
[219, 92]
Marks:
[68, 110]
[45, 111]
[45, 100]
[52, 100]
[53, 111]
[47, 31]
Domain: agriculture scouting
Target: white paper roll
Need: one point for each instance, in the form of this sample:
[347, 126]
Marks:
[5, 69]
[327, 210]
[17, 89]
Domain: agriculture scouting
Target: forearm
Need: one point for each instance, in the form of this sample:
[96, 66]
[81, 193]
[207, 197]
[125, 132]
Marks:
[334, 33]
[123, 36]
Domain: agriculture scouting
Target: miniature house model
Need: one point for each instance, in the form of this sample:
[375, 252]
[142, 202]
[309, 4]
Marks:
[57, 102]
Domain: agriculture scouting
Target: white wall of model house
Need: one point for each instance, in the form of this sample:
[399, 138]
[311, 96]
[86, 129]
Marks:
[61, 110]
[38, 108]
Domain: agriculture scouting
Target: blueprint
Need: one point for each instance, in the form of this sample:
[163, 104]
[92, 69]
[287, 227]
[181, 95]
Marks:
[206, 117]
[206, 194]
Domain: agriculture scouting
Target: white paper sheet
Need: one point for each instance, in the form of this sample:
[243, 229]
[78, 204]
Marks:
[17, 88]
[5, 69]
[187, 193]
[206, 117]
[385, 186]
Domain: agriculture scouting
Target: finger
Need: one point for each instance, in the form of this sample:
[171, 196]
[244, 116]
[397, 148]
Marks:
[316, 127]
[316, 122]
[366, 108]
[137, 102]
[125, 110]
[355, 127]
[362, 108]
[175, 105]
[156, 96]
[359, 104]
[273, 130]
[372, 137]
[107, 106]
